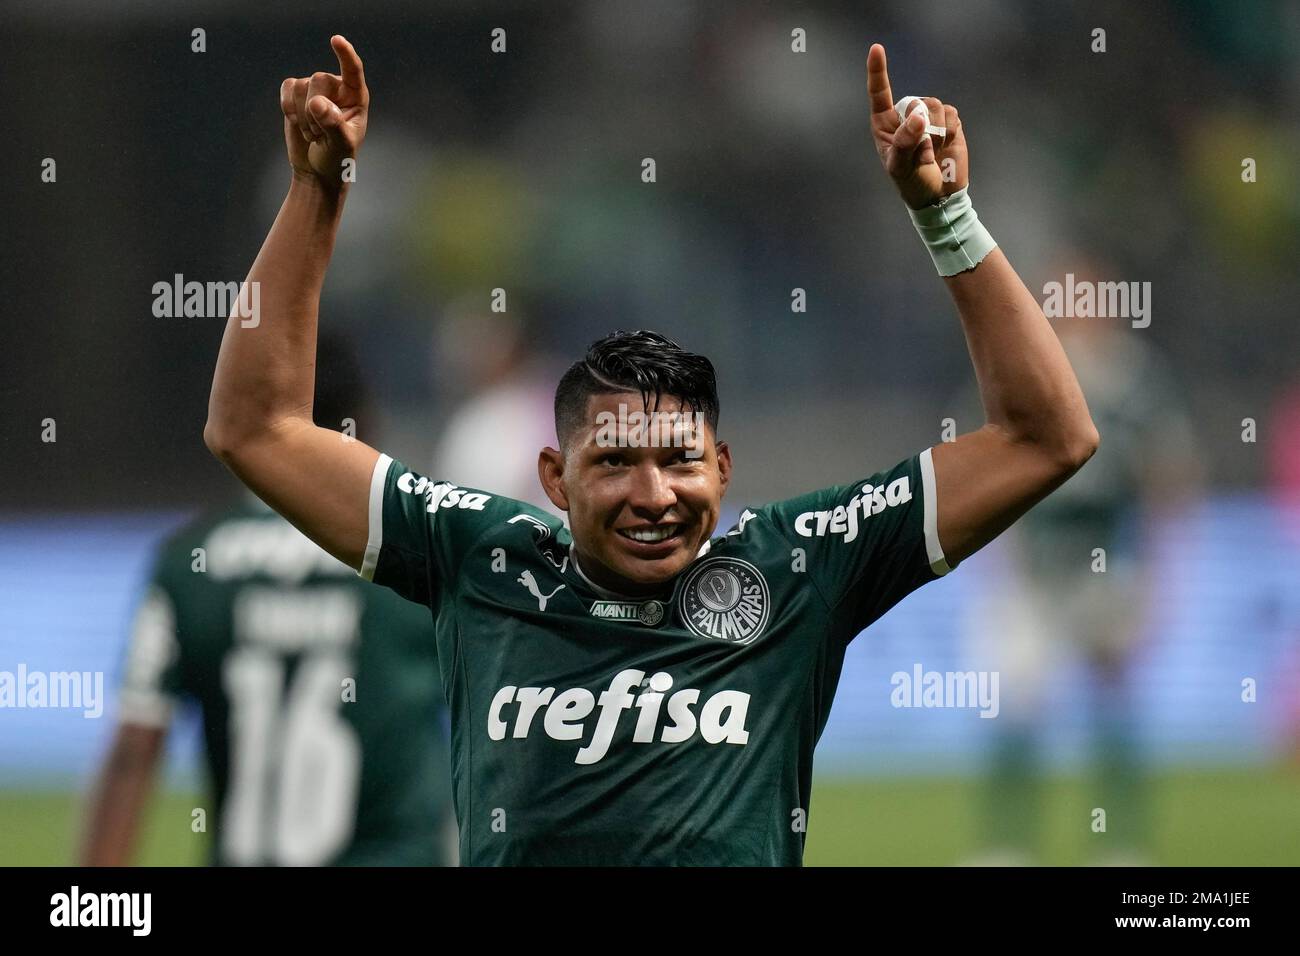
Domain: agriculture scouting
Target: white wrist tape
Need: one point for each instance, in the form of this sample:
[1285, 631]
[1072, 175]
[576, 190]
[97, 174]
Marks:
[953, 234]
[901, 109]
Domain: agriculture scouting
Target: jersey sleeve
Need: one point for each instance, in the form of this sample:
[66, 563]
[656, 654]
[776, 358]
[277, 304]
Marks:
[421, 528]
[151, 683]
[868, 544]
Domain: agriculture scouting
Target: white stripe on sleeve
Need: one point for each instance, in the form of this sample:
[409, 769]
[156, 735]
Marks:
[375, 541]
[142, 701]
[938, 563]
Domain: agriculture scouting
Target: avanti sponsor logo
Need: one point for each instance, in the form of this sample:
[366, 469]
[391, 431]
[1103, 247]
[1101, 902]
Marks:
[844, 519]
[666, 718]
[649, 613]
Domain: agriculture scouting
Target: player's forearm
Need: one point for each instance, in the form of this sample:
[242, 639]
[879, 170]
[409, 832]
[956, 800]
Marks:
[118, 801]
[1029, 391]
[114, 819]
[265, 375]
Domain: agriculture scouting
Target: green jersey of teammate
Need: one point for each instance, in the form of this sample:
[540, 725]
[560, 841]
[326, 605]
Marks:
[591, 728]
[322, 708]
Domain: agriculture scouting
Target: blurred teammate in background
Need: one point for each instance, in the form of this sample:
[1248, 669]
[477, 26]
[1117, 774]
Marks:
[323, 712]
[1057, 599]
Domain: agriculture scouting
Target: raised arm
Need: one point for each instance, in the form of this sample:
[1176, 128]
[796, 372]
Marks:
[260, 410]
[1037, 430]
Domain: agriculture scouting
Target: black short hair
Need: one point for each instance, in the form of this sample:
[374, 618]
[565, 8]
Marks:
[340, 384]
[640, 361]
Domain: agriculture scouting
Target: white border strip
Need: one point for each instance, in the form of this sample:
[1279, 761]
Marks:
[376, 533]
[938, 563]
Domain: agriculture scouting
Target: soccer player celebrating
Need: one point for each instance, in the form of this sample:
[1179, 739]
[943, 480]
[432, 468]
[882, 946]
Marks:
[632, 689]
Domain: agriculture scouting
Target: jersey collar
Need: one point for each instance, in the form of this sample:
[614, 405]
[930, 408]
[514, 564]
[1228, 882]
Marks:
[608, 595]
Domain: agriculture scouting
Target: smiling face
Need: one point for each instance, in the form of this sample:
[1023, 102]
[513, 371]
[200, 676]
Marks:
[640, 505]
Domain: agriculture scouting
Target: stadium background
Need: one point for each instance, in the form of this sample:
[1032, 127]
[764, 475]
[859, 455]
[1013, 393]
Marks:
[522, 171]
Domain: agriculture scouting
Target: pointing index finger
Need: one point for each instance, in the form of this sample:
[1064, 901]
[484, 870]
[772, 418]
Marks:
[882, 98]
[350, 69]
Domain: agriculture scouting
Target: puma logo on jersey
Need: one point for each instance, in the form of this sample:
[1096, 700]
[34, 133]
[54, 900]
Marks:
[843, 520]
[721, 719]
[442, 494]
[530, 582]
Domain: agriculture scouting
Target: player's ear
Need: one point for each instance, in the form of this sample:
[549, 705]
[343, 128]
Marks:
[724, 465]
[550, 471]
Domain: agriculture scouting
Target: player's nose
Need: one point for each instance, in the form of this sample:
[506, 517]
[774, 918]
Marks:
[652, 491]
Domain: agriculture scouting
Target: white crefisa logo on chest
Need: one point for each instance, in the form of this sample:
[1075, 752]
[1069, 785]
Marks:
[726, 599]
[721, 718]
[843, 520]
[442, 494]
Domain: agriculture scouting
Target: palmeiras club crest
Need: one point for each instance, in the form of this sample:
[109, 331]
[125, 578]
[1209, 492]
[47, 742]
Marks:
[726, 599]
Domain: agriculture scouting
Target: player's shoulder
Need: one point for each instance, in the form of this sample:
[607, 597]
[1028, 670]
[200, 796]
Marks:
[831, 508]
[446, 502]
[455, 520]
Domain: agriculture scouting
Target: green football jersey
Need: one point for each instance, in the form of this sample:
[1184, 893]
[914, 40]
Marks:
[323, 712]
[588, 728]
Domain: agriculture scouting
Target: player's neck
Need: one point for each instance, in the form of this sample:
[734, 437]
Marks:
[612, 587]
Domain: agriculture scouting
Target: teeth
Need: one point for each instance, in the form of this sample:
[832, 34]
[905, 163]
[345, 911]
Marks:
[650, 534]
